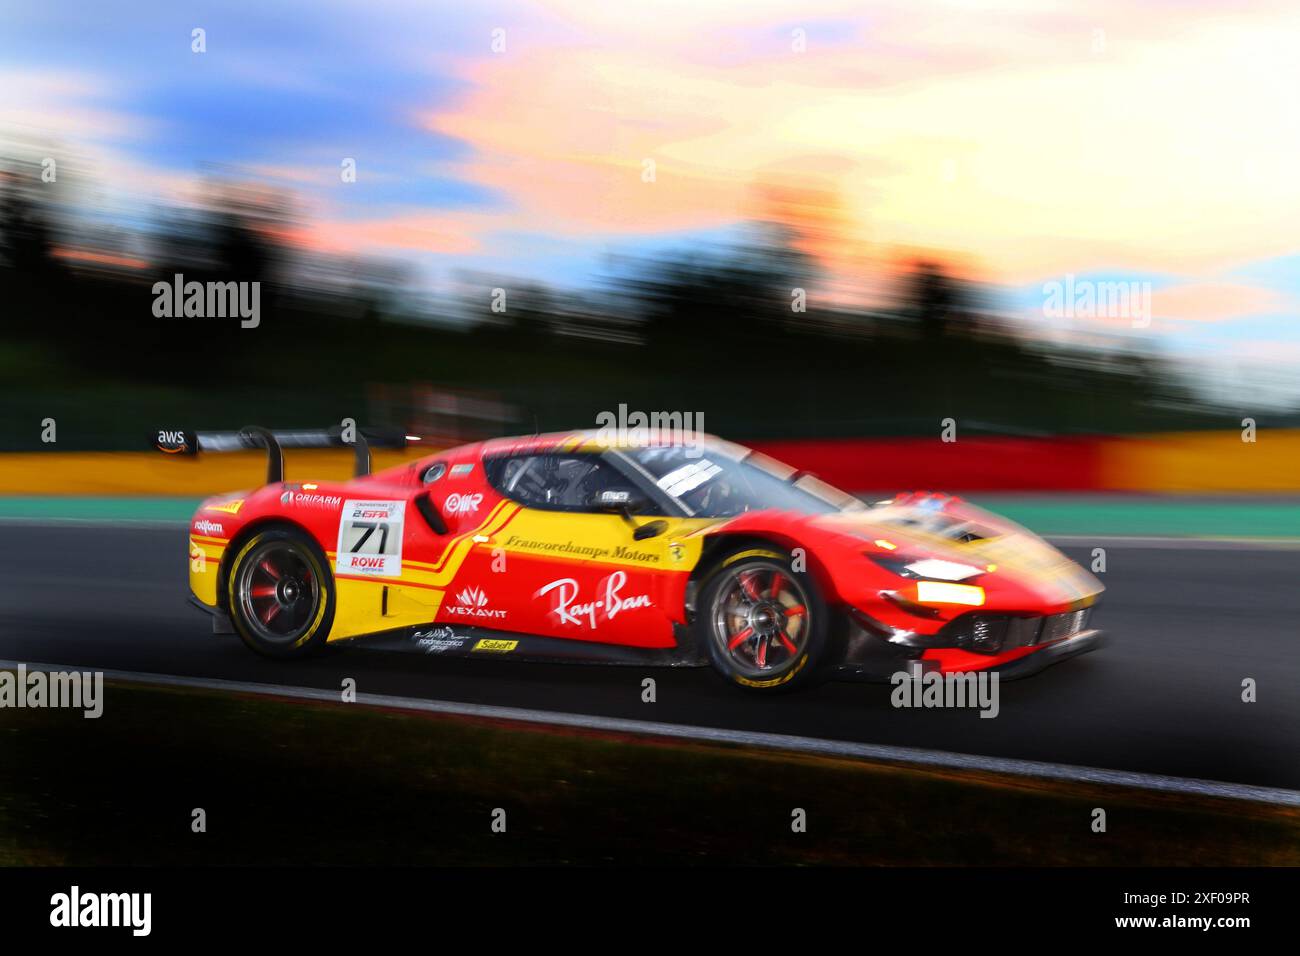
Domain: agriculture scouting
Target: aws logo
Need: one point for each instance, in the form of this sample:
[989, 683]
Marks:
[174, 442]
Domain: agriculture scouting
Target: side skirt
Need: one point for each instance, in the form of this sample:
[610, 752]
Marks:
[455, 640]
[220, 619]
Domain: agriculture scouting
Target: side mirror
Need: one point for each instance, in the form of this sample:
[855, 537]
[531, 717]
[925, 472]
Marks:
[623, 502]
[651, 529]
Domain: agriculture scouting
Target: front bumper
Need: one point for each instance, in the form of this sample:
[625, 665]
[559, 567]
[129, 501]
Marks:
[1049, 654]
[1013, 645]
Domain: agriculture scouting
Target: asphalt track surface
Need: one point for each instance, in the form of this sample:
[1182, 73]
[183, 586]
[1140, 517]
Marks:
[1186, 626]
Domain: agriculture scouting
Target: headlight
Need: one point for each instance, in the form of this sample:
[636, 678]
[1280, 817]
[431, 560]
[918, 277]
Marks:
[934, 569]
[940, 592]
[943, 570]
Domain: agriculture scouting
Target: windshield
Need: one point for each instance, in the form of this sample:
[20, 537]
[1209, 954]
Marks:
[713, 484]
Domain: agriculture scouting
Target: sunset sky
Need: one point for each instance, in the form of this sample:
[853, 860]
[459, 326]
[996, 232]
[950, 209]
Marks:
[1021, 142]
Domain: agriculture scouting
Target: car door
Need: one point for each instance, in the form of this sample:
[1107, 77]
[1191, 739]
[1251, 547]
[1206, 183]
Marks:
[570, 565]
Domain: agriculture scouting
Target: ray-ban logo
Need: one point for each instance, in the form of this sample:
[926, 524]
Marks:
[179, 299]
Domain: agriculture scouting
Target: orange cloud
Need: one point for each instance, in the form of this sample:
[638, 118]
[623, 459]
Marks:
[437, 234]
[1143, 149]
[1216, 302]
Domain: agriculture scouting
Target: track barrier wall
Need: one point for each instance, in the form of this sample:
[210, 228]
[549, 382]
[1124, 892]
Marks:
[1176, 462]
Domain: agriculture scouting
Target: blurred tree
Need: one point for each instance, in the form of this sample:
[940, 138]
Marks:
[939, 305]
[35, 279]
[740, 297]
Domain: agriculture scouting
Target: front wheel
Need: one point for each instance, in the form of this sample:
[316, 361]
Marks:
[764, 624]
[281, 596]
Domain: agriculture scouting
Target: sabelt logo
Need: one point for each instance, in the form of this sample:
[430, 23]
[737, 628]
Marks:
[458, 504]
[473, 602]
[226, 507]
[207, 527]
[172, 442]
[495, 646]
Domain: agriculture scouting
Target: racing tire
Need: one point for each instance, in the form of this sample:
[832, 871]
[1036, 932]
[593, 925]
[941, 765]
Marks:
[764, 625]
[280, 594]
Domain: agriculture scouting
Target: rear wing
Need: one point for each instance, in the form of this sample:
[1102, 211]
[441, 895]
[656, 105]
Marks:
[184, 441]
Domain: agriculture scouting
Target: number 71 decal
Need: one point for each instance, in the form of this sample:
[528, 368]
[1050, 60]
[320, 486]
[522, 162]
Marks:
[370, 538]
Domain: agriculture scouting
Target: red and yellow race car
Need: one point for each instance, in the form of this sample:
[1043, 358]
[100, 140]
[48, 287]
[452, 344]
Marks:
[570, 547]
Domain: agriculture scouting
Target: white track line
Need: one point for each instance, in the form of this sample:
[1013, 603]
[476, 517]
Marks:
[810, 745]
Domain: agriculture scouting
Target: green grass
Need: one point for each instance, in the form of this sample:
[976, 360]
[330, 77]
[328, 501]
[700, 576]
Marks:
[1152, 515]
[292, 782]
[98, 508]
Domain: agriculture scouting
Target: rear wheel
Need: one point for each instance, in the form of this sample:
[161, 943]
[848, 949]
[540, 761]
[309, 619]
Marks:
[281, 595]
[764, 624]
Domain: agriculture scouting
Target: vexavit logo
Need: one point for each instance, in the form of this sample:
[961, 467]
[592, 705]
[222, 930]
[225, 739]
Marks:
[473, 603]
[472, 597]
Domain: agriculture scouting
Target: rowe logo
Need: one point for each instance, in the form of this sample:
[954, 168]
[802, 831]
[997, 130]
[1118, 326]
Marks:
[474, 603]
